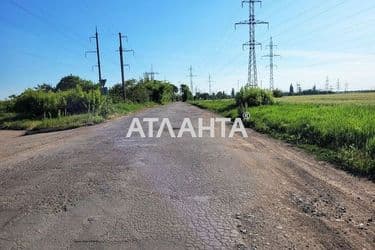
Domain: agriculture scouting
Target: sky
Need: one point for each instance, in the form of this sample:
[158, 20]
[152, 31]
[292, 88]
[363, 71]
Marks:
[43, 41]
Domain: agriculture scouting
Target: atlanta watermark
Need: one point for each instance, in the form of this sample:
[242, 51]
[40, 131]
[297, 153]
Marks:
[186, 129]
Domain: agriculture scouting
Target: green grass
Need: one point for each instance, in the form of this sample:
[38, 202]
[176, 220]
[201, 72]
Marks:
[339, 129]
[32, 125]
[126, 108]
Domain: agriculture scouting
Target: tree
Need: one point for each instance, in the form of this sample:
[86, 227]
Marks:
[186, 94]
[291, 89]
[277, 93]
[44, 87]
[222, 95]
[116, 93]
[71, 82]
[202, 96]
[233, 94]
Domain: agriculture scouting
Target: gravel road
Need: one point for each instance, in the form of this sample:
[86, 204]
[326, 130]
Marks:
[94, 188]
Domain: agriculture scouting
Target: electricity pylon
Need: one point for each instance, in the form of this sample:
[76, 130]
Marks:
[191, 76]
[272, 65]
[252, 22]
[209, 84]
[151, 75]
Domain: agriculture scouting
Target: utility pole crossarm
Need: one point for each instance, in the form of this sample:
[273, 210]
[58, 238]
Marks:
[250, 22]
[129, 50]
[241, 23]
[89, 52]
[271, 56]
[250, 44]
[251, 1]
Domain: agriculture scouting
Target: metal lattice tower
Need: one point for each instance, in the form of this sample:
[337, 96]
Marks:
[272, 65]
[151, 75]
[252, 22]
[209, 84]
[191, 76]
[327, 84]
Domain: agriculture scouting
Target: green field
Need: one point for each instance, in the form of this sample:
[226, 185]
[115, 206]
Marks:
[351, 98]
[338, 128]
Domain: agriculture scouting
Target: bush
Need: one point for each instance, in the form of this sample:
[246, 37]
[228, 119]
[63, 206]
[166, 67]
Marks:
[186, 94]
[252, 97]
[71, 82]
[144, 91]
[138, 94]
[277, 93]
[371, 147]
[6, 106]
[39, 103]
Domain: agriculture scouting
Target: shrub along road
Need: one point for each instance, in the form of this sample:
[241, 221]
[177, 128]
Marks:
[94, 188]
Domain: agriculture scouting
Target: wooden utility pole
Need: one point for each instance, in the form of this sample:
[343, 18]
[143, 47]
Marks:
[122, 65]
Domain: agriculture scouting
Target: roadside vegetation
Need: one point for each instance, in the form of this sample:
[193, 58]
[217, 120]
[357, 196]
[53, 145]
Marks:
[337, 128]
[76, 102]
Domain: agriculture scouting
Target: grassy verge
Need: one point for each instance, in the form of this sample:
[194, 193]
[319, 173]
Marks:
[342, 134]
[120, 109]
[18, 122]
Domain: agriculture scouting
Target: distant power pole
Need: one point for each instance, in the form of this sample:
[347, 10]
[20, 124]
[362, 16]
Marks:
[272, 65]
[346, 87]
[338, 85]
[191, 76]
[209, 84]
[299, 88]
[327, 84]
[252, 22]
[151, 75]
[97, 51]
[121, 51]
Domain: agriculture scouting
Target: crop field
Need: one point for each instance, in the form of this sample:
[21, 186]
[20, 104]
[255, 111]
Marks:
[338, 128]
[350, 98]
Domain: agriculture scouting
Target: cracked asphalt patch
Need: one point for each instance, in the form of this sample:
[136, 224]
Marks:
[93, 188]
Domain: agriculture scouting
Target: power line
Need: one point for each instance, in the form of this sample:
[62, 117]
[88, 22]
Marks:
[271, 56]
[252, 22]
[333, 24]
[44, 20]
[285, 30]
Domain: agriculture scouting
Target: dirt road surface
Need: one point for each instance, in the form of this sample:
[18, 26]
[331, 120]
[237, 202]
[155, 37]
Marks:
[92, 188]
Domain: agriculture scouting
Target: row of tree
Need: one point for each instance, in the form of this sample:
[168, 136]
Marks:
[73, 95]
